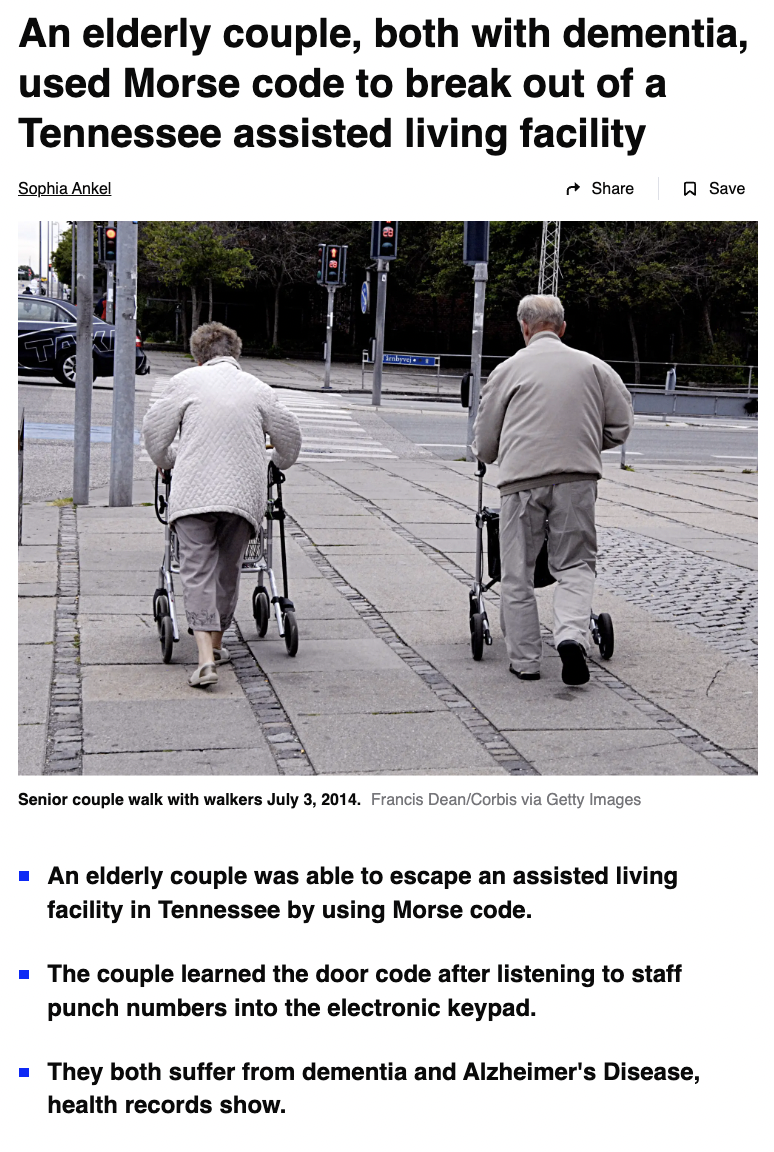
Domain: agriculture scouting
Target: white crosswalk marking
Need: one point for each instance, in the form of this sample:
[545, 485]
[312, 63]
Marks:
[327, 428]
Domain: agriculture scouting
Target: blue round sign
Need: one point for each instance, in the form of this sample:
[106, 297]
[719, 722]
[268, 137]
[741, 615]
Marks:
[364, 297]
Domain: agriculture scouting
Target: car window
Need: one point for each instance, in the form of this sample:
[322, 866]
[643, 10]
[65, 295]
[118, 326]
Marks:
[32, 309]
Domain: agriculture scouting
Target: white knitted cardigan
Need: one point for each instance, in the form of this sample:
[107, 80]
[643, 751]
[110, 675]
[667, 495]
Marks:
[221, 461]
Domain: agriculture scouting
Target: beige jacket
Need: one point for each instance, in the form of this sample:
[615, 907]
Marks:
[547, 413]
[223, 416]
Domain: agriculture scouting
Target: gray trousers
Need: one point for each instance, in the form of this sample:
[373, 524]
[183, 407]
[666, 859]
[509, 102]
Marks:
[211, 549]
[568, 512]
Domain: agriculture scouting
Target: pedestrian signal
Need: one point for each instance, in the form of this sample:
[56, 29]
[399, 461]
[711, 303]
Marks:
[384, 239]
[331, 265]
[336, 264]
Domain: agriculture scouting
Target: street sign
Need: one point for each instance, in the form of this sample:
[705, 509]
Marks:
[364, 301]
[416, 361]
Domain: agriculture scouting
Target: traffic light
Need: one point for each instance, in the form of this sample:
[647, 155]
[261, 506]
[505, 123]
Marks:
[336, 264]
[321, 255]
[384, 239]
[110, 245]
[475, 242]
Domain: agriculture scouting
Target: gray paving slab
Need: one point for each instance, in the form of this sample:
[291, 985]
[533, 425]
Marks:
[374, 534]
[421, 627]
[444, 535]
[123, 639]
[404, 582]
[47, 588]
[128, 582]
[367, 654]
[38, 572]
[391, 545]
[40, 524]
[36, 553]
[117, 561]
[35, 664]
[312, 506]
[423, 510]
[314, 600]
[346, 628]
[336, 691]
[206, 721]
[739, 527]
[154, 683]
[36, 619]
[366, 744]
[606, 753]
[546, 704]
[32, 749]
[116, 604]
[211, 762]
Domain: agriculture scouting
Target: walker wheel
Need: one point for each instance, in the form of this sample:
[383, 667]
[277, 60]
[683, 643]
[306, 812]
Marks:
[290, 629]
[477, 635]
[606, 635]
[160, 609]
[156, 595]
[261, 610]
[167, 638]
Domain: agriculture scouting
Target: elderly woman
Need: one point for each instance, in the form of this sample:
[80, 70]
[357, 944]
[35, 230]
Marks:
[218, 495]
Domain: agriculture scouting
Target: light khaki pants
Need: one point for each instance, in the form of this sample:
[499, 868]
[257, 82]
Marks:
[211, 549]
[568, 512]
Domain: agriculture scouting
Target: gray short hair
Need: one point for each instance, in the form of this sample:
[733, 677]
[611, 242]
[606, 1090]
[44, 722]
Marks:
[214, 339]
[541, 311]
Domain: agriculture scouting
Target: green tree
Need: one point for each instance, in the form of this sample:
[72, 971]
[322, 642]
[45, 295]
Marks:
[193, 256]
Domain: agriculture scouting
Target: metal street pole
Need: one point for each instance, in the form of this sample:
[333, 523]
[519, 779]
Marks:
[124, 355]
[84, 373]
[480, 276]
[329, 336]
[110, 306]
[40, 257]
[382, 268]
[73, 261]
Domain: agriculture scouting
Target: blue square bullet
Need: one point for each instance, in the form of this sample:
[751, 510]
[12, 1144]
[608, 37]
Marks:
[24, 1072]
[24, 973]
[24, 875]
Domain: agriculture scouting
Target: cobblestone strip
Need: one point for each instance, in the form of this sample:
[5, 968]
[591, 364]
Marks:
[477, 724]
[712, 599]
[600, 672]
[271, 717]
[64, 741]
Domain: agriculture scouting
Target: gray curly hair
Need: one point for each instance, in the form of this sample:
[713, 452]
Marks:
[214, 339]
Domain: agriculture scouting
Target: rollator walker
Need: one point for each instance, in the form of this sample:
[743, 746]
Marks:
[601, 626]
[257, 558]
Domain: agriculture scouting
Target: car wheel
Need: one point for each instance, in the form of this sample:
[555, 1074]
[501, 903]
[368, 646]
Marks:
[64, 369]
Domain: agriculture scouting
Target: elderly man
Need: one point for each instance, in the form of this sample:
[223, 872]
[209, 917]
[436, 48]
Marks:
[545, 416]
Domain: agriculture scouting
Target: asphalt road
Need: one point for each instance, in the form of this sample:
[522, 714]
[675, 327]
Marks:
[710, 443]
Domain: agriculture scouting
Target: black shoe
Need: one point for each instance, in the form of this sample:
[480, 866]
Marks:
[524, 675]
[575, 670]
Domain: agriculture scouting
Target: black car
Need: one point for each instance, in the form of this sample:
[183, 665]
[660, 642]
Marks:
[47, 330]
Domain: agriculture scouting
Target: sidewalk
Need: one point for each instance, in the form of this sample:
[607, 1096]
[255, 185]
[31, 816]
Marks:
[380, 556]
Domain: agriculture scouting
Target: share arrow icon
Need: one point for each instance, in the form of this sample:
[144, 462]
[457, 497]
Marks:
[572, 188]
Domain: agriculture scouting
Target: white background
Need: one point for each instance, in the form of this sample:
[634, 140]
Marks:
[713, 831]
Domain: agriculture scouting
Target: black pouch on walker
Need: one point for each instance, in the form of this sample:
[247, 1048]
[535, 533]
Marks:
[491, 518]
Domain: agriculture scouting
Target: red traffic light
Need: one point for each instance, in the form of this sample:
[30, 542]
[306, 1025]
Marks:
[110, 233]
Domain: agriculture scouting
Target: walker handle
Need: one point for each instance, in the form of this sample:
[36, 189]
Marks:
[481, 469]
